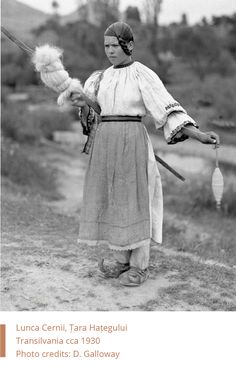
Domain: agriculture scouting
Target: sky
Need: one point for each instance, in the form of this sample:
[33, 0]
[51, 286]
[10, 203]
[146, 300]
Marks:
[171, 9]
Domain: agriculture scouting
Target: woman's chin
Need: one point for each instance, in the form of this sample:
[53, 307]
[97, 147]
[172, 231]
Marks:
[113, 61]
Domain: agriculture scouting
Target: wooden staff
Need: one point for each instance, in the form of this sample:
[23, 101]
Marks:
[31, 51]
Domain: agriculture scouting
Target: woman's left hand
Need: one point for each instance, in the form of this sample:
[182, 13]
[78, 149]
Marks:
[209, 138]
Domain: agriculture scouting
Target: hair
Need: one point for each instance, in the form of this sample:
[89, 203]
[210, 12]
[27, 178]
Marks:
[124, 34]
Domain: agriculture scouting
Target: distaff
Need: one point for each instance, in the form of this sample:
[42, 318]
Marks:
[47, 61]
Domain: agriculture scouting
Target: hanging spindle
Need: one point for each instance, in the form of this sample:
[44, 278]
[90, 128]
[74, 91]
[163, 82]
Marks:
[217, 183]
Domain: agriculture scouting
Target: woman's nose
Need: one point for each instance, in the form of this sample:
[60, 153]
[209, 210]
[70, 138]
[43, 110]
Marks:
[110, 50]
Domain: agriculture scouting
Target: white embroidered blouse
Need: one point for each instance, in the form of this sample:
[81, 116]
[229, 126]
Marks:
[136, 90]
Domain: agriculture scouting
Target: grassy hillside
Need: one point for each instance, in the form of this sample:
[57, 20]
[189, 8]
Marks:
[20, 18]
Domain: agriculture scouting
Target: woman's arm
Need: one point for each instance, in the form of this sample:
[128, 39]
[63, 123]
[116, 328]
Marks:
[204, 137]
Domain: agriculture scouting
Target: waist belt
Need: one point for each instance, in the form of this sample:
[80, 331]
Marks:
[121, 118]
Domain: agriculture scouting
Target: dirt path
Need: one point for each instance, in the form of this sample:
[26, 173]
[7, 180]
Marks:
[43, 268]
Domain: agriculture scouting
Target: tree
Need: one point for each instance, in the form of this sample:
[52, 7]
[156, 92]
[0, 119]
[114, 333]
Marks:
[204, 21]
[132, 14]
[201, 48]
[109, 11]
[184, 20]
[231, 42]
[99, 12]
[55, 6]
[151, 11]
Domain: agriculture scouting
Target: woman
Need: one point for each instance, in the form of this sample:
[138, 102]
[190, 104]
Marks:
[122, 204]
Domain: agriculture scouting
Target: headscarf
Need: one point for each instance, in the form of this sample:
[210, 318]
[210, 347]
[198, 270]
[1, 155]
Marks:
[124, 34]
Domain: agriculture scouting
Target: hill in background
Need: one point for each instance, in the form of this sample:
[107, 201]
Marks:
[20, 19]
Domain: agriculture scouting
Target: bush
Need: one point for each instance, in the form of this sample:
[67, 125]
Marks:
[16, 166]
[225, 65]
[221, 91]
[198, 195]
[5, 91]
[17, 70]
[50, 121]
[201, 197]
[24, 126]
[200, 47]
[215, 92]
[17, 125]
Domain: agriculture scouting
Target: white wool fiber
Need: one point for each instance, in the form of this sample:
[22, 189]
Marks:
[75, 86]
[46, 55]
[52, 72]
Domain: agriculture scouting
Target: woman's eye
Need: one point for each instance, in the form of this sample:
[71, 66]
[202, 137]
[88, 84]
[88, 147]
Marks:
[113, 46]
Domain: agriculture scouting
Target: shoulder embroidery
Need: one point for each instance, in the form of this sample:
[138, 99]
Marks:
[176, 104]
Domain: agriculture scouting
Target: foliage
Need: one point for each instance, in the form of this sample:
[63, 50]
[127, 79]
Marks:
[151, 9]
[221, 93]
[202, 46]
[202, 49]
[50, 121]
[24, 126]
[199, 47]
[20, 169]
[17, 69]
[231, 39]
[5, 91]
[132, 14]
[198, 195]
[17, 126]
[88, 54]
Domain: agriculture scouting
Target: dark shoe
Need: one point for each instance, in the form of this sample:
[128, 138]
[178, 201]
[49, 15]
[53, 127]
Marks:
[134, 277]
[112, 270]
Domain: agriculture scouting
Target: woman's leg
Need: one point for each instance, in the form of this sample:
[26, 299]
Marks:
[114, 270]
[122, 256]
[140, 257]
[138, 272]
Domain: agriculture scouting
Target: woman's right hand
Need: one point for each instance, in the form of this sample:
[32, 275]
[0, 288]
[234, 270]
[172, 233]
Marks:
[77, 100]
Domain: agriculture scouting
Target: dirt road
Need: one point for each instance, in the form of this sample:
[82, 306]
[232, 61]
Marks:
[43, 267]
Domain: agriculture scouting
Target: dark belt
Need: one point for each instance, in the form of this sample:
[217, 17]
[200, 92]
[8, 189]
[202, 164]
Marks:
[121, 118]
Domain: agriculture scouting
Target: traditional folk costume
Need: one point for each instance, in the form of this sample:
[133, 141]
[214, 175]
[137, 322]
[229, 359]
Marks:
[123, 202]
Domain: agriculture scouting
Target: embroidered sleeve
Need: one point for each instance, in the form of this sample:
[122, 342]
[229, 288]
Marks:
[157, 100]
[165, 110]
[175, 122]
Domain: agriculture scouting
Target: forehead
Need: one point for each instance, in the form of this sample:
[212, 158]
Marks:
[110, 40]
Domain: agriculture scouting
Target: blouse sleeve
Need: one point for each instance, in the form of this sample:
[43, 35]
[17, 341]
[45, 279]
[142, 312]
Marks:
[165, 110]
[92, 84]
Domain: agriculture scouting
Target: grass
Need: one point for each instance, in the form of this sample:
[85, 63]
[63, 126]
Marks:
[198, 195]
[192, 223]
[192, 285]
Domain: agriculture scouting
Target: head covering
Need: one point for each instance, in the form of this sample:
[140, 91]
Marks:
[124, 34]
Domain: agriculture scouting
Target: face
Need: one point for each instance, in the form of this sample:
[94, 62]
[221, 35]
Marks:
[114, 51]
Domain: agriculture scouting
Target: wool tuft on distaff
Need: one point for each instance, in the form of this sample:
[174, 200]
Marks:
[47, 61]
